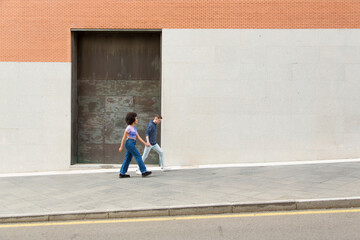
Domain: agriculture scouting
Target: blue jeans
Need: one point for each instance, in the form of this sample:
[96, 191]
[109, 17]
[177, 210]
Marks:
[130, 152]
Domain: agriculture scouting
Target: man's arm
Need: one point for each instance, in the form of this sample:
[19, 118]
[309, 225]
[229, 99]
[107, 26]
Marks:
[147, 132]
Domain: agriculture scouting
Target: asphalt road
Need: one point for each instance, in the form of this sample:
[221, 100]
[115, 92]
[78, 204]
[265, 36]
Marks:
[318, 224]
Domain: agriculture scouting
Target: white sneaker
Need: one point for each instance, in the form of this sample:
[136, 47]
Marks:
[163, 169]
[137, 171]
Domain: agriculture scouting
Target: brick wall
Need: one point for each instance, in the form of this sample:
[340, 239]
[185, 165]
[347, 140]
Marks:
[39, 30]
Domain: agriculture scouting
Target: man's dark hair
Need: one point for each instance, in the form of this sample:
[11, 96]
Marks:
[158, 116]
[130, 118]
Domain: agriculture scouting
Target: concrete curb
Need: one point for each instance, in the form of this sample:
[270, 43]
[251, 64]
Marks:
[284, 205]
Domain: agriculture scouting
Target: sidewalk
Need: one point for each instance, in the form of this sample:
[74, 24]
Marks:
[179, 192]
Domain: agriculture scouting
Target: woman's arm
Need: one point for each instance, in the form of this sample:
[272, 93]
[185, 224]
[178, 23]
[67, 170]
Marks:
[122, 141]
[141, 140]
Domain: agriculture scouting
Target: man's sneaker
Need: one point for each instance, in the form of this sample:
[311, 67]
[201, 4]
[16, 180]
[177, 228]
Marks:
[137, 171]
[124, 175]
[146, 173]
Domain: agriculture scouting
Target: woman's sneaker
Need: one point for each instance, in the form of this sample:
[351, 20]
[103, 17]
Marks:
[147, 173]
[124, 175]
[137, 171]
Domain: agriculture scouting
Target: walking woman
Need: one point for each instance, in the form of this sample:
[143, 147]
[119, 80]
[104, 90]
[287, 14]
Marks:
[129, 138]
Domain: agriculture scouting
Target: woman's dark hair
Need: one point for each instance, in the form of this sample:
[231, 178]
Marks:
[130, 118]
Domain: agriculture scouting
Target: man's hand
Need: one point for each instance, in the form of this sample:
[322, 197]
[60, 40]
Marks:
[147, 142]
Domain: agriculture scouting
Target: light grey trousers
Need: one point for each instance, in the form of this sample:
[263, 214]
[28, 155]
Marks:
[157, 149]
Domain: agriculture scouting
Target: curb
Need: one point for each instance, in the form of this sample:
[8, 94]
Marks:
[284, 205]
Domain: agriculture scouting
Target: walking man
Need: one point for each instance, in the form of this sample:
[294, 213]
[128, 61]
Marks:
[150, 133]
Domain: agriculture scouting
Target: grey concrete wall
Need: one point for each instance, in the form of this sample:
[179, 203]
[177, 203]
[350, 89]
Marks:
[241, 96]
[228, 96]
[35, 116]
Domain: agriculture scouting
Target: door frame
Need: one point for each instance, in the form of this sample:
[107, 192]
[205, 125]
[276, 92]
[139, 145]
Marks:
[74, 87]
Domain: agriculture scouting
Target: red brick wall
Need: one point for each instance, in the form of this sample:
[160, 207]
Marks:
[39, 30]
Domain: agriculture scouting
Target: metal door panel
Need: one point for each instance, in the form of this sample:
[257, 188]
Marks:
[117, 72]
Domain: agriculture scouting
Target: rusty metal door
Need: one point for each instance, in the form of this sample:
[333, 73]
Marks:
[117, 72]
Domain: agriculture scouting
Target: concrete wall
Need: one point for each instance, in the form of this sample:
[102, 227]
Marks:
[35, 116]
[240, 96]
[228, 96]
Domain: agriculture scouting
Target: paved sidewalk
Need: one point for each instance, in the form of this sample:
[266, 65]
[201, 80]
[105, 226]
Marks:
[177, 192]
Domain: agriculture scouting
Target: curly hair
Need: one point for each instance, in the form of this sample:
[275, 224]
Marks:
[130, 118]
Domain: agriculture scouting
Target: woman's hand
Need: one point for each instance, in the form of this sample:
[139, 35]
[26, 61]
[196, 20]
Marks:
[120, 149]
[141, 140]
